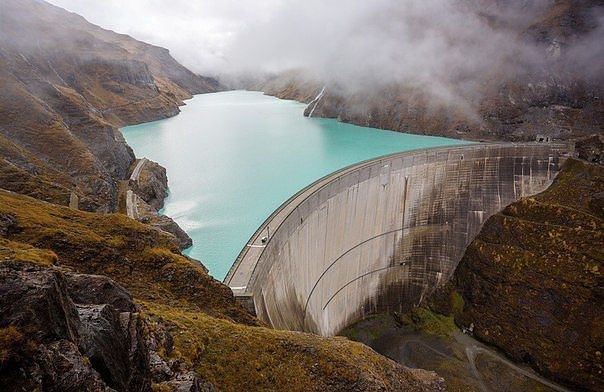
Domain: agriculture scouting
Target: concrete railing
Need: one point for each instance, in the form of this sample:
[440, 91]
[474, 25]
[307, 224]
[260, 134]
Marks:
[137, 169]
[131, 208]
[131, 197]
[381, 235]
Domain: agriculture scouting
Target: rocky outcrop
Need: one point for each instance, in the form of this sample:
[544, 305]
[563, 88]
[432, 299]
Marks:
[8, 224]
[189, 382]
[78, 83]
[531, 282]
[114, 344]
[36, 298]
[77, 339]
[72, 346]
[149, 185]
[99, 290]
[63, 326]
[591, 149]
[150, 216]
[62, 367]
[167, 372]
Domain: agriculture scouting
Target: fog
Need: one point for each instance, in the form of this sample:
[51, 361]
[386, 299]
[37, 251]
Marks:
[442, 46]
[196, 32]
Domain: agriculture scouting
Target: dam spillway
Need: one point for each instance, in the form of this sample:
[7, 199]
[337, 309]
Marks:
[381, 235]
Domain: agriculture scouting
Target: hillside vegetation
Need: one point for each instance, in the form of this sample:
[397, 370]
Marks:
[531, 282]
[66, 85]
[188, 321]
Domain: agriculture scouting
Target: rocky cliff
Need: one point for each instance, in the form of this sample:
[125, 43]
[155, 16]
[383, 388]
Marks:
[97, 301]
[554, 97]
[531, 282]
[101, 302]
[66, 86]
[146, 190]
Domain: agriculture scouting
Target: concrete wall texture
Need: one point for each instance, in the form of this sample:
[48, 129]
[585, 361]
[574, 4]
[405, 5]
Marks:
[383, 234]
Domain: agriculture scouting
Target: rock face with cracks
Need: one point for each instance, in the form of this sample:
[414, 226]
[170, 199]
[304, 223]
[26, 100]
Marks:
[73, 346]
[101, 302]
[531, 282]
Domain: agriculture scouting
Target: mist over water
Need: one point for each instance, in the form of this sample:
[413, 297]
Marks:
[232, 158]
[443, 50]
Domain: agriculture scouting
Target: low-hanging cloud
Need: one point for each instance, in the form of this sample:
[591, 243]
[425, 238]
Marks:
[444, 52]
[441, 46]
[196, 32]
[411, 42]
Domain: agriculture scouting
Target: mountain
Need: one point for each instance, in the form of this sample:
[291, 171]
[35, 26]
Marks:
[557, 94]
[94, 301]
[531, 282]
[66, 87]
[98, 301]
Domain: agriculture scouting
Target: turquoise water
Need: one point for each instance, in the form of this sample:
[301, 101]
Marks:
[233, 157]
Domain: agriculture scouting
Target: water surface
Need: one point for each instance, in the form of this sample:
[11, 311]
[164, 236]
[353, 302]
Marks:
[233, 157]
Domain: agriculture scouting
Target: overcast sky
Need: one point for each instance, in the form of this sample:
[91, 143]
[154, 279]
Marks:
[196, 32]
[442, 46]
[215, 35]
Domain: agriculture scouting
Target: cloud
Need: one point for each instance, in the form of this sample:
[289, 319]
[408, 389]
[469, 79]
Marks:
[196, 32]
[413, 41]
[442, 46]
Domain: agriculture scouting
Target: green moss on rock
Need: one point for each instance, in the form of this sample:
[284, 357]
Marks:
[426, 320]
[531, 281]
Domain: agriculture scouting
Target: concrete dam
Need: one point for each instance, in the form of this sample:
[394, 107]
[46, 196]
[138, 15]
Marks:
[381, 235]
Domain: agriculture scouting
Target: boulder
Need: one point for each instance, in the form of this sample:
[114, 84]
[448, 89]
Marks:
[35, 298]
[96, 345]
[62, 368]
[189, 382]
[8, 224]
[98, 289]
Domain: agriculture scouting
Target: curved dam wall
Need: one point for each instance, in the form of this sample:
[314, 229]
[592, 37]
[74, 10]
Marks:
[383, 234]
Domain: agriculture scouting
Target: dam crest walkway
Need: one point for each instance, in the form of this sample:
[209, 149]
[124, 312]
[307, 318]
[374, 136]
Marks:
[382, 234]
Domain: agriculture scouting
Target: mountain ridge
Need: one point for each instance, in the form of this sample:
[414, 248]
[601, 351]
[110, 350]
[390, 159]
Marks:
[79, 82]
[92, 299]
[555, 97]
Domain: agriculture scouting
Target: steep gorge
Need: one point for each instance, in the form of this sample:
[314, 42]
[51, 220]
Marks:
[98, 301]
[66, 87]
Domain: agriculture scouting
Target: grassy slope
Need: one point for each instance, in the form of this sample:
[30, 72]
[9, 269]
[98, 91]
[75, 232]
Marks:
[212, 334]
[532, 279]
[66, 85]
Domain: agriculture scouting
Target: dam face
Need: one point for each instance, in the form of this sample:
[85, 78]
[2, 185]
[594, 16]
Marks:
[383, 234]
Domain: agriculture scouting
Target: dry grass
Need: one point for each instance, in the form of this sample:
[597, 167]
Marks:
[25, 253]
[212, 334]
[235, 357]
[14, 346]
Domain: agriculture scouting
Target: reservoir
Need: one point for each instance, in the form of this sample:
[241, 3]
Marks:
[233, 157]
